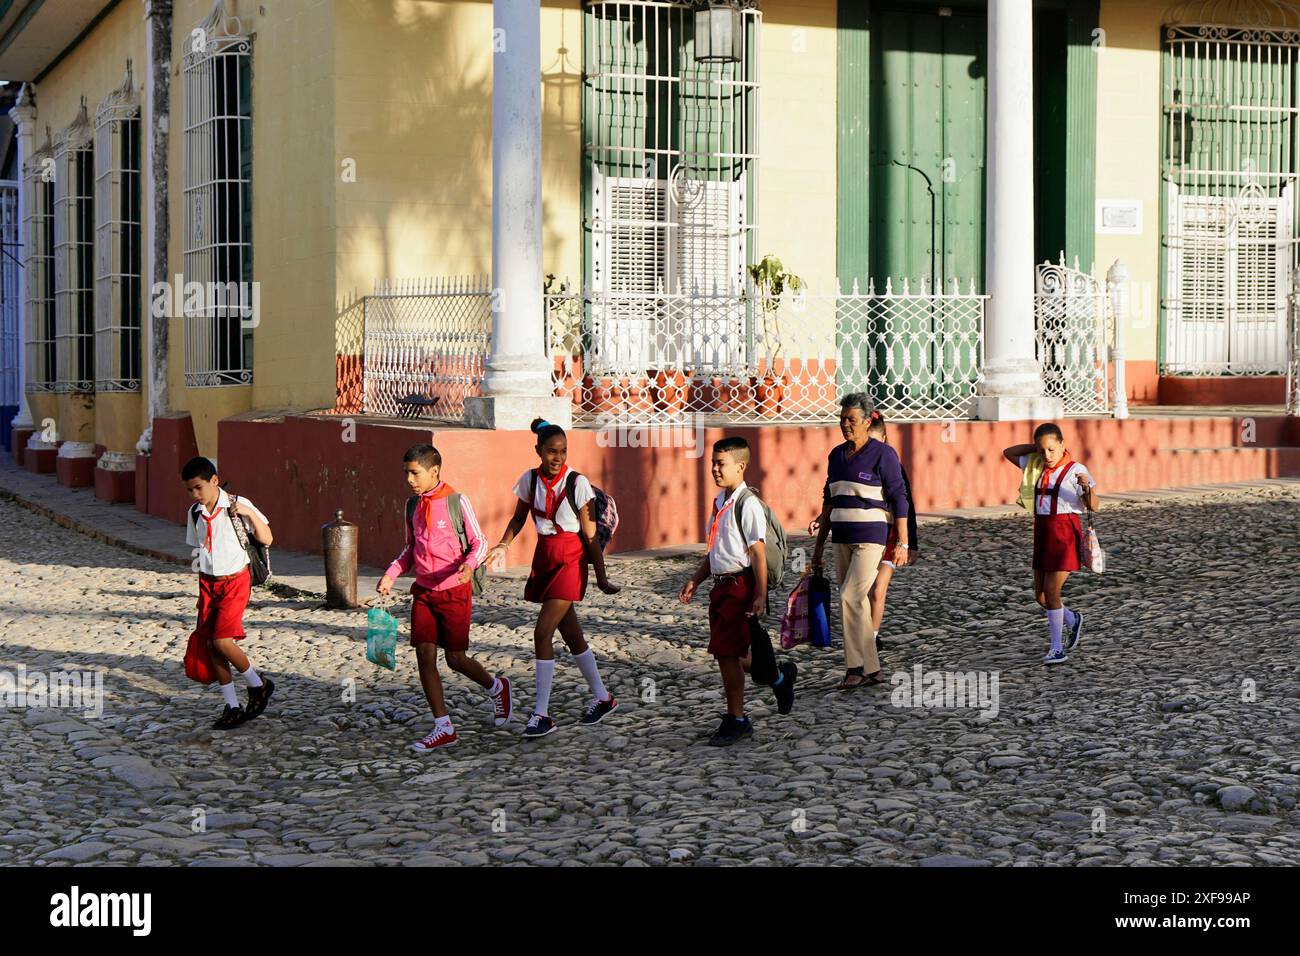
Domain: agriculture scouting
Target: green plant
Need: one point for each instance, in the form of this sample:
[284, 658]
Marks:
[770, 277]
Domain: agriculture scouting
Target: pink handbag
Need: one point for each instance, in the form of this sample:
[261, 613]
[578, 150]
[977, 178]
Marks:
[794, 622]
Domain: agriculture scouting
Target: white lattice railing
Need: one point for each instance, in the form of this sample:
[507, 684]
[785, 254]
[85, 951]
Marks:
[1073, 322]
[425, 344]
[1293, 351]
[738, 357]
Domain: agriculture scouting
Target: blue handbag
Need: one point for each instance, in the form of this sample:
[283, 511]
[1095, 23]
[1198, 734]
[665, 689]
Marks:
[819, 610]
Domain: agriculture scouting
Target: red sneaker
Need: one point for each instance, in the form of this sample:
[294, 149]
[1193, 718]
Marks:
[438, 738]
[502, 705]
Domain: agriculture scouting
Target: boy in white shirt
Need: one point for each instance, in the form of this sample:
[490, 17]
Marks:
[737, 561]
[224, 584]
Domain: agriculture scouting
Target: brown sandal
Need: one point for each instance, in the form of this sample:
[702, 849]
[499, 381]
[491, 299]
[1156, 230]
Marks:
[877, 678]
[858, 680]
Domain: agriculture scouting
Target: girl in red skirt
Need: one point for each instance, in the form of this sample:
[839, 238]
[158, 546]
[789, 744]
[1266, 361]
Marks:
[559, 499]
[1061, 493]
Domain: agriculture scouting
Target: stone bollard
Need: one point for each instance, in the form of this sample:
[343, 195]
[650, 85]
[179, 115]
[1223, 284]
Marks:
[339, 546]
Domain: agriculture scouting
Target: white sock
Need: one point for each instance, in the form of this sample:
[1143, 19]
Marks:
[1055, 618]
[587, 664]
[250, 675]
[495, 689]
[228, 692]
[545, 674]
[442, 723]
[1070, 618]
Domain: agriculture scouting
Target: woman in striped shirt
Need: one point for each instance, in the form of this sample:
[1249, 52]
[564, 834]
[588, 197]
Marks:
[864, 486]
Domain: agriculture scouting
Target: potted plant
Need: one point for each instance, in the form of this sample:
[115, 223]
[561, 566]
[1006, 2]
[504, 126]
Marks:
[771, 280]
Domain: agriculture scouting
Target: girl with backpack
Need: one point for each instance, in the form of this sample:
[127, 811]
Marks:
[1062, 489]
[560, 501]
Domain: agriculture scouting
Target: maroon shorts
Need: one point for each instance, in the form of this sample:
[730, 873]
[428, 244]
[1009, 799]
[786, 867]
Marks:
[1056, 542]
[221, 606]
[559, 569]
[442, 617]
[890, 540]
[729, 604]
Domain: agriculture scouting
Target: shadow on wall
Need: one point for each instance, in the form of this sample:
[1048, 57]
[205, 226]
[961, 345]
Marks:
[422, 117]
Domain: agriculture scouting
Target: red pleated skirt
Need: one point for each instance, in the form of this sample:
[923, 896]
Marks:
[559, 569]
[1056, 542]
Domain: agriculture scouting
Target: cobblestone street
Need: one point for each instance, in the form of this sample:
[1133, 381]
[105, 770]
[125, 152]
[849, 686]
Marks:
[1170, 737]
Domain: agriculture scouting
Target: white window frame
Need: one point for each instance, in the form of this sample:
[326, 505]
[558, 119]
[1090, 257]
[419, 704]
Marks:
[10, 386]
[119, 297]
[38, 267]
[218, 336]
[74, 256]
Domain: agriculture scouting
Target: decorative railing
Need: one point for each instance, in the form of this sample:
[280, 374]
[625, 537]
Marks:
[740, 357]
[425, 343]
[1074, 323]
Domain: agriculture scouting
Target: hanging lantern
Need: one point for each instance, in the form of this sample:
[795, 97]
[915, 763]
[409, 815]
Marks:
[719, 31]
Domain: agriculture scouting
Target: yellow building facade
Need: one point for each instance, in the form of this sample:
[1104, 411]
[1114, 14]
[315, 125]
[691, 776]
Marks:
[371, 145]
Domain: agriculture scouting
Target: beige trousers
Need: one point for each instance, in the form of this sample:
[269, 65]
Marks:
[856, 566]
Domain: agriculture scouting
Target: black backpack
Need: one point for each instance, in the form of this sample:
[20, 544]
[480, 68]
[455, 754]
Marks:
[478, 578]
[259, 555]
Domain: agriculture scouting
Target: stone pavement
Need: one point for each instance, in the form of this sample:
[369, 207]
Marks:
[1169, 737]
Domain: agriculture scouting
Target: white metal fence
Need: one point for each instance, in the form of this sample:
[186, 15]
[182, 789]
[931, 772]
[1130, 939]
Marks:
[425, 344]
[740, 357]
[1293, 352]
[726, 357]
[1073, 322]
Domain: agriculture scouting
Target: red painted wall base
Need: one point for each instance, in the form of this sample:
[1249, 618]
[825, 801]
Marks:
[173, 446]
[299, 470]
[40, 461]
[20, 436]
[1223, 390]
[117, 487]
[75, 472]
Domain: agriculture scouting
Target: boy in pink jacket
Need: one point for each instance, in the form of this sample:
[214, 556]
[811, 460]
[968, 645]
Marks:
[442, 596]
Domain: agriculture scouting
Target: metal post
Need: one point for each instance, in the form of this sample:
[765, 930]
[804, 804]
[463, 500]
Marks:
[1117, 283]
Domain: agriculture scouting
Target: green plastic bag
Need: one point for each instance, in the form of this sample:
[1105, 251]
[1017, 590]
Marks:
[381, 638]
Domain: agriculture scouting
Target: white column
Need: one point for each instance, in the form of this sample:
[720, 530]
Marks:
[1012, 387]
[24, 116]
[155, 129]
[1118, 287]
[517, 385]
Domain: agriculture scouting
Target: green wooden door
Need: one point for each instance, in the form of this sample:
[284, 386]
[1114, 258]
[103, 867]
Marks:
[921, 163]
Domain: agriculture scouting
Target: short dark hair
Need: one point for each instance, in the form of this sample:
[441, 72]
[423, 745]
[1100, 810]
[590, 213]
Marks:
[426, 455]
[544, 430]
[738, 447]
[1048, 428]
[199, 467]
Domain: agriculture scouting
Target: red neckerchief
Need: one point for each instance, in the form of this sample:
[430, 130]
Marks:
[717, 517]
[440, 490]
[552, 498]
[207, 540]
[1045, 480]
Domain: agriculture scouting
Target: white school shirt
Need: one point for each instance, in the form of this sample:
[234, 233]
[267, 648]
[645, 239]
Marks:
[565, 516]
[1069, 502]
[730, 551]
[226, 556]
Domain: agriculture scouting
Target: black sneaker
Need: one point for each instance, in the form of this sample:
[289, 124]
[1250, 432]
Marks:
[730, 730]
[258, 697]
[597, 710]
[784, 691]
[230, 718]
[1076, 632]
[539, 725]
